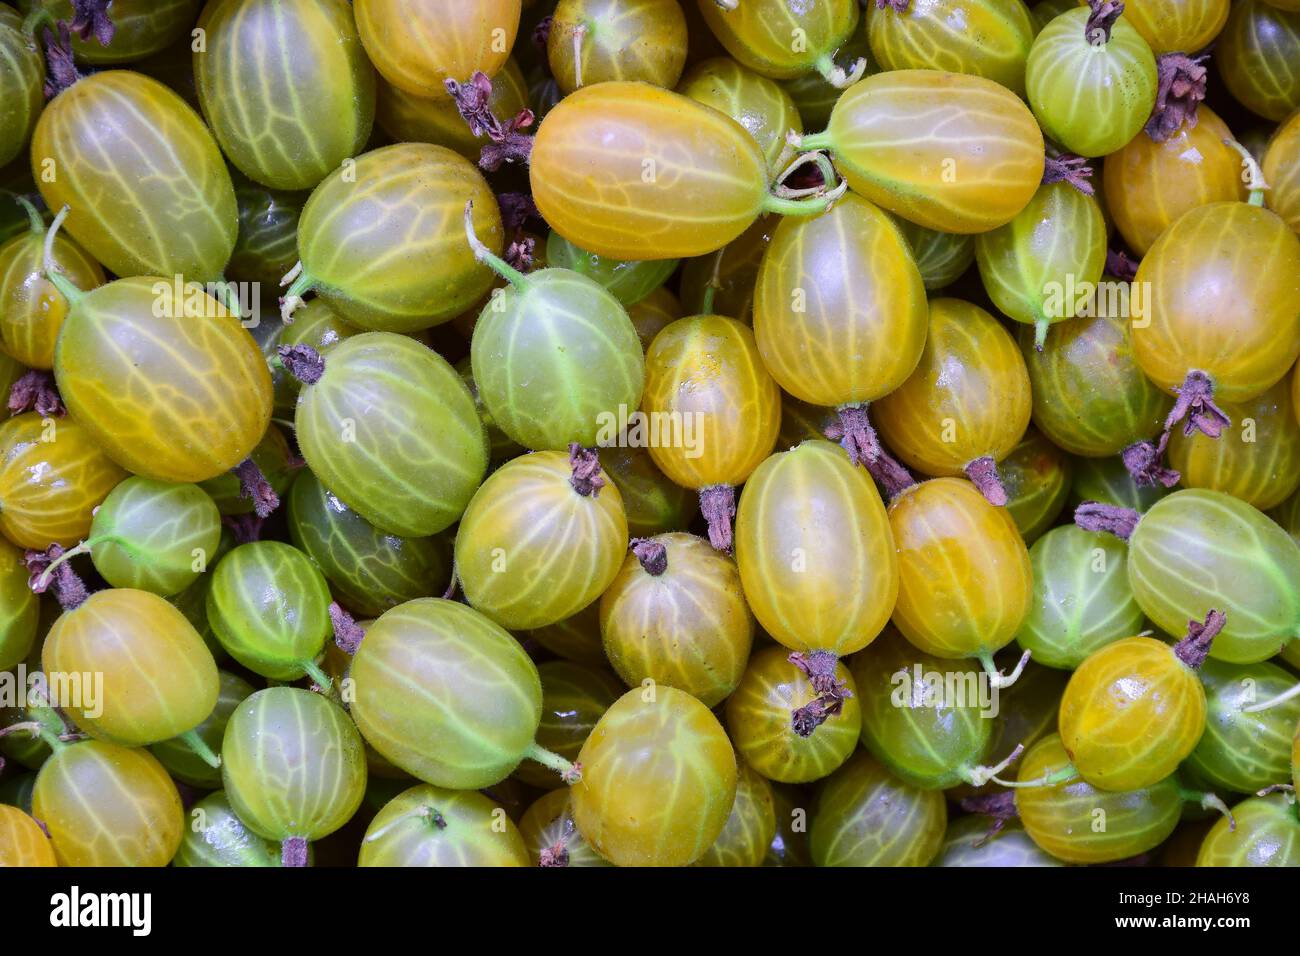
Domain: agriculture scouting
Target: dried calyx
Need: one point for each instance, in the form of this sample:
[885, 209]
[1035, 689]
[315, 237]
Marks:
[586, 478]
[36, 391]
[652, 555]
[506, 142]
[302, 362]
[1196, 409]
[999, 807]
[1120, 265]
[254, 487]
[819, 668]
[1143, 461]
[1068, 168]
[1102, 20]
[1195, 647]
[348, 634]
[1111, 519]
[1181, 90]
[246, 528]
[557, 854]
[983, 473]
[718, 506]
[899, 6]
[51, 569]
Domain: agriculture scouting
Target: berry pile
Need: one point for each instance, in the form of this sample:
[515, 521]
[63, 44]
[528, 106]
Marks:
[649, 432]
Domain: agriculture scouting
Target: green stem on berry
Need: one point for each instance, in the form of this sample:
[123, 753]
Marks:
[66, 287]
[33, 214]
[200, 748]
[321, 679]
[37, 18]
[569, 772]
[1254, 176]
[1281, 698]
[300, 282]
[978, 776]
[1057, 777]
[1208, 801]
[428, 813]
[489, 258]
[84, 548]
[996, 677]
[836, 75]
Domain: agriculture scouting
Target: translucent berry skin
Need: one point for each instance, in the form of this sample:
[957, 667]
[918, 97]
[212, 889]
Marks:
[574, 697]
[705, 371]
[839, 308]
[251, 82]
[147, 186]
[1090, 397]
[1037, 476]
[947, 151]
[293, 764]
[1131, 714]
[553, 357]
[445, 694]
[267, 244]
[1149, 185]
[758, 716]
[158, 678]
[1078, 823]
[815, 552]
[941, 257]
[182, 762]
[621, 40]
[442, 828]
[269, 607]
[1258, 52]
[548, 824]
[1028, 266]
[1090, 98]
[652, 314]
[155, 536]
[1256, 460]
[174, 390]
[1171, 26]
[21, 81]
[143, 27]
[687, 628]
[928, 743]
[1199, 550]
[868, 817]
[627, 281]
[32, 310]
[1267, 834]
[418, 44]
[749, 830]
[969, 396]
[1245, 752]
[19, 607]
[370, 570]
[967, 843]
[654, 503]
[216, 837]
[758, 34]
[1281, 168]
[384, 241]
[408, 118]
[1223, 280]
[754, 101]
[965, 579]
[531, 551]
[376, 387]
[22, 842]
[52, 477]
[984, 38]
[1081, 599]
[619, 168]
[658, 780]
[736, 267]
[107, 805]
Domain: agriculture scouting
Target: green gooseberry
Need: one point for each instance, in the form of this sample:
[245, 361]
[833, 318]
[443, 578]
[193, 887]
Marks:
[629, 282]
[277, 463]
[448, 696]
[270, 608]
[266, 246]
[501, 447]
[1245, 747]
[574, 697]
[19, 608]
[376, 393]
[217, 837]
[750, 828]
[193, 601]
[555, 356]
[429, 826]
[293, 767]
[1081, 600]
[370, 571]
[1287, 514]
[1031, 266]
[1199, 550]
[968, 842]
[866, 816]
[22, 77]
[177, 756]
[16, 790]
[576, 638]
[1036, 476]
[152, 535]
[942, 257]
[1108, 480]
[653, 504]
[1267, 833]
[923, 716]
